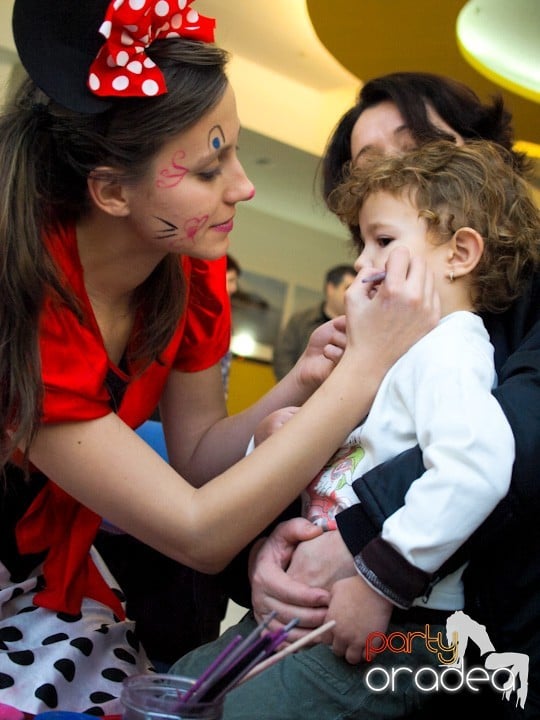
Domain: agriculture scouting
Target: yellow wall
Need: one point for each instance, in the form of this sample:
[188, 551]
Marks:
[248, 381]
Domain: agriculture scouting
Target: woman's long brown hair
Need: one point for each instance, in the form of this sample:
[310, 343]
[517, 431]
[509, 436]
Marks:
[46, 156]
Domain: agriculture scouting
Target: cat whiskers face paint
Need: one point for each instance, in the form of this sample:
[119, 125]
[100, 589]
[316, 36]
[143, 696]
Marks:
[170, 232]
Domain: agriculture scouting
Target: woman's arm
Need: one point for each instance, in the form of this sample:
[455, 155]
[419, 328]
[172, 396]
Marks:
[108, 468]
[203, 444]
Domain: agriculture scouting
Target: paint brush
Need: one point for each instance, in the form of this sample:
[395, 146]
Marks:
[289, 650]
[377, 277]
[195, 688]
[222, 665]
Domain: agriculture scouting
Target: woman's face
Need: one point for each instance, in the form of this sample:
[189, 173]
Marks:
[186, 203]
[383, 128]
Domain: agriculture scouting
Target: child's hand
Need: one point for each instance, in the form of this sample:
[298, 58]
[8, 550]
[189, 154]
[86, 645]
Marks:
[273, 422]
[358, 610]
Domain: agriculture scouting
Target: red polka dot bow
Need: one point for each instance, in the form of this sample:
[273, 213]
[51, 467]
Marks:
[122, 68]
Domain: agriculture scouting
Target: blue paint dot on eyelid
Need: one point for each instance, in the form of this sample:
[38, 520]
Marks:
[216, 142]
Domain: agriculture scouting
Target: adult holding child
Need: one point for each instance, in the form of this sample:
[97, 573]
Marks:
[465, 210]
[394, 113]
[121, 178]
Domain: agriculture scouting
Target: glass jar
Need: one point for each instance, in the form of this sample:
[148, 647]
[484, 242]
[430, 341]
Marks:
[158, 697]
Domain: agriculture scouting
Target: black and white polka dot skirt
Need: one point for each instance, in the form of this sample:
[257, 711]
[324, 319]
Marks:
[53, 661]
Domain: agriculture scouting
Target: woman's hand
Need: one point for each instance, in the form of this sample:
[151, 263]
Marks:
[321, 355]
[385, 324]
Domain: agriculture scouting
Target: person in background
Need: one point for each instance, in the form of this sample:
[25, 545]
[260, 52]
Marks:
[233, 273]
[472, 218]
[292, 340]
[120, 183]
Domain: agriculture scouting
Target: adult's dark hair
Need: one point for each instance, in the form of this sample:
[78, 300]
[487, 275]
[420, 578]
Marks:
[453, 101]
[335, 275]
[233, 264]
[47, 153]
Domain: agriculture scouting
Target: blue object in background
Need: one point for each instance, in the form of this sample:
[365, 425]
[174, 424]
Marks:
[151, 432]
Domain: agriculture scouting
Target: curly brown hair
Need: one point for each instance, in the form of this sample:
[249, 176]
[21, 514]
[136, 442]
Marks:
[452, 186]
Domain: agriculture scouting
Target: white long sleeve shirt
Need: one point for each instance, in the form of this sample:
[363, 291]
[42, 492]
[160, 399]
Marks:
[437, 395]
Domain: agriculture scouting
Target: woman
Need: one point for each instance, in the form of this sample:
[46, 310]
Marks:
[121, 178]
[393, 113]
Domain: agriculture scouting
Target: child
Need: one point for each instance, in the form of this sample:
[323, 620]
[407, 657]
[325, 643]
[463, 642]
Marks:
[445, 202]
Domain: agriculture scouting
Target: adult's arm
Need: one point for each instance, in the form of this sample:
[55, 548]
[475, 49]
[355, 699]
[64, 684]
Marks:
[202, 440]
[106, 467]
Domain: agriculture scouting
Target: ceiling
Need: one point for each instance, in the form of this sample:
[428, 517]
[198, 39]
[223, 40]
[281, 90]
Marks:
[375, 37]
[297, 65]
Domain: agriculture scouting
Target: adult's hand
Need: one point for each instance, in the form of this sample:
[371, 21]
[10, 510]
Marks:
[324, 350]
[274, 590]
[358, 611]
[322, 561]
[289, 574]
[386, 324]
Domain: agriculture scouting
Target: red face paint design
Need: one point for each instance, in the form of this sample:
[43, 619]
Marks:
[193, 225]
[171, 176]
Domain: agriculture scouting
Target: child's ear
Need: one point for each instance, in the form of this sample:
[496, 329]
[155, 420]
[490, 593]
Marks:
[106, 191]
[466, 248]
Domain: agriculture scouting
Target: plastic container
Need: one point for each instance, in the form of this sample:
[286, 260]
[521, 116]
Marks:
[158, 697]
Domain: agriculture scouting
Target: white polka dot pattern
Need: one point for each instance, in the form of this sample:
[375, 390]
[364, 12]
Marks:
[122, 67]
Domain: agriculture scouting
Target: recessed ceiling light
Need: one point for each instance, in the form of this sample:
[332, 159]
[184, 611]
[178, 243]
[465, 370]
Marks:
[501, 40]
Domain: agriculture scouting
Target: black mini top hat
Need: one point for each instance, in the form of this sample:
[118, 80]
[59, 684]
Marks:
[82, 53]
[57, 40]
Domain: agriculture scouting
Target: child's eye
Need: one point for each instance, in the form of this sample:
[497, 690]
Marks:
[384, 240]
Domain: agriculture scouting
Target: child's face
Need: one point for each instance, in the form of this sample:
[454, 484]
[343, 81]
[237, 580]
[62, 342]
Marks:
[388, 221]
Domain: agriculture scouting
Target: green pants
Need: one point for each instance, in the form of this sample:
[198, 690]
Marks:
[316, 684]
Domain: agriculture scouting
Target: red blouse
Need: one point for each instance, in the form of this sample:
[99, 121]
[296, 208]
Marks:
[76, 371]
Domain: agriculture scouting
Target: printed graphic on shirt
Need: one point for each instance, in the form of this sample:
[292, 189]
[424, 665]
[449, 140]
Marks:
[331, 490]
